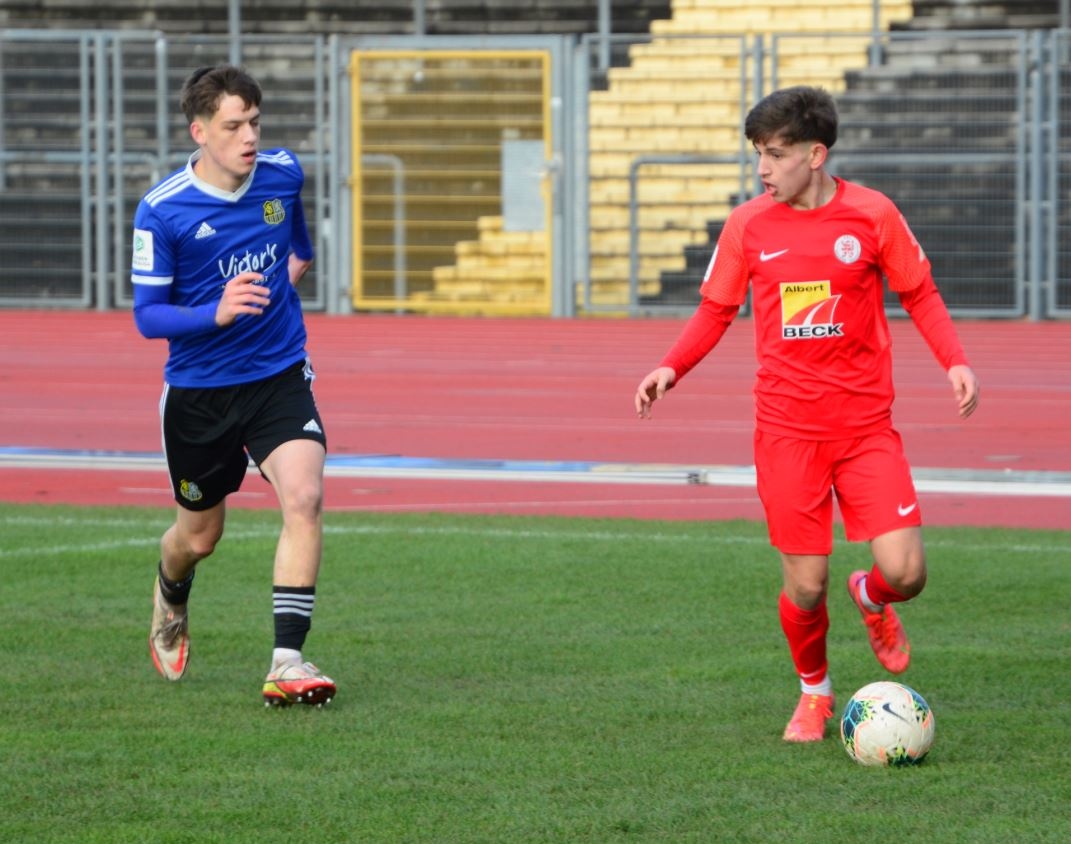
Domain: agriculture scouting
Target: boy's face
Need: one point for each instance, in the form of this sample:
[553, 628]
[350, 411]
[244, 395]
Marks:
[228, 141]
[788, 170]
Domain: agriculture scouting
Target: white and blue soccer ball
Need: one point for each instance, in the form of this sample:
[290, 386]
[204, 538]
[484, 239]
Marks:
[887, 724]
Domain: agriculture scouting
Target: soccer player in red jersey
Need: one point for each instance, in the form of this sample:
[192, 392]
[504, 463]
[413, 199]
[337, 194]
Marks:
[814, 249]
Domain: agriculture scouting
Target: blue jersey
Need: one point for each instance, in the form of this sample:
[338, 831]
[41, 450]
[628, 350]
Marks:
[190, 238]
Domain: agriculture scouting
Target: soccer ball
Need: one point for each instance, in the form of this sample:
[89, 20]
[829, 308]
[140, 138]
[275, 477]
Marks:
[887, 723]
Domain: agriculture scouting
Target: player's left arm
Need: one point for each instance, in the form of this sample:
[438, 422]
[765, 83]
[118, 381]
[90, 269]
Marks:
[927, 310]
[297, 267]
[908, 269]
[300, 258]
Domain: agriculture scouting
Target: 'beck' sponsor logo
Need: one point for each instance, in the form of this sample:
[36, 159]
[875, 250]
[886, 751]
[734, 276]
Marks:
[807, 311]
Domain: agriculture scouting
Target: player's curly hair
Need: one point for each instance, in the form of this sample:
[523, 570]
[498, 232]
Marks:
[794, 115]
[206, 86]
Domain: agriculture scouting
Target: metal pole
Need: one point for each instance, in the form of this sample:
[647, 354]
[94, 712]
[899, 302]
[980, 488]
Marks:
[85, 153]
[759, 56]
[329, 227]
[420, 18]
[234, 27]
[581, 169]
[1053, 170]
[118, 221]
[1022, 166]
[605, 29]
[1036, 184]
[321, 299]
[875, 27]
[100, 93]
[163, 139]
[3, 164]
[745, 105]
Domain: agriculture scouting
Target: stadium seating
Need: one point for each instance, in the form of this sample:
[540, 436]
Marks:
[681, 95]
[383, 17]
[667, 100]
[33, 121]
[668, 93]
[953, 95]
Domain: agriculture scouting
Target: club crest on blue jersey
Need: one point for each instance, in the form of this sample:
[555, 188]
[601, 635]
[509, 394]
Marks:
[274, 213]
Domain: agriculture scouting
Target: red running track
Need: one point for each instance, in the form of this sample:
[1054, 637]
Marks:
[528, 389]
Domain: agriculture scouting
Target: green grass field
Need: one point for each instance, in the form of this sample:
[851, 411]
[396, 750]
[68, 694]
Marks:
[507, 679]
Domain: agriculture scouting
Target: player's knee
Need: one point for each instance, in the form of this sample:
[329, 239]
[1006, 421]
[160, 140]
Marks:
[305, 502]
[196, 543]
[806, 592]
[809, 595]
[201, 545]
[915, 581]
[912, 575]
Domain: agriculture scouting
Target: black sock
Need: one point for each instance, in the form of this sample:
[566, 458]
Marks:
[175, 591]
[293, 615]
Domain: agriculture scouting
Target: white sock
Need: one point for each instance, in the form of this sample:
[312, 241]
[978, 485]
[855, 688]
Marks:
[865, 598]
[822, 687]
[285, 656]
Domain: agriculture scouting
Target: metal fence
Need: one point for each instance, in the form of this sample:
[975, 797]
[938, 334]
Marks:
[615, 178]
[89, 120]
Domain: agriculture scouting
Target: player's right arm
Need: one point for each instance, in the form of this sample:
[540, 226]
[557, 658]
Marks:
[153, 267]
[156, 316]
[653, 387]
[700, 335]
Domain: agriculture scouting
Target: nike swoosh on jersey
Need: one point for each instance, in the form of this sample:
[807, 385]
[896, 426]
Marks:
[904, 511]
[765, 256]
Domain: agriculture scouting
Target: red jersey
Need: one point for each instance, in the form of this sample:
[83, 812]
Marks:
[821, 337]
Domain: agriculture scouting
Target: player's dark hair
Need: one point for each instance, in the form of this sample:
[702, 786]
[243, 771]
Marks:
[206, 86]
[795, 115]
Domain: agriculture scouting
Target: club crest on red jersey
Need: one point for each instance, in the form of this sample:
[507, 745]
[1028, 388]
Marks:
[847, 249]
[807, 311]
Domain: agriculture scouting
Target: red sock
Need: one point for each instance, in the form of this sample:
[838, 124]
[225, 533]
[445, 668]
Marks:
[879, 591]
[806, 634]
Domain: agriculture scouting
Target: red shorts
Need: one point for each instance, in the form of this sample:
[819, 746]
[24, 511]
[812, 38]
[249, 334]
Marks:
[798, 478]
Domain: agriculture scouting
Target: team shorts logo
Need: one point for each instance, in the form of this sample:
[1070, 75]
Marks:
[847, 249]
[274, 213]
[807, 311]
[190, 491]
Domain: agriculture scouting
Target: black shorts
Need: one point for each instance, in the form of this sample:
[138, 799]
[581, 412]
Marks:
[210, 434]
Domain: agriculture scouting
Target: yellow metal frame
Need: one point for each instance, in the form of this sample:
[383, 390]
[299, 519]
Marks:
[488, 307]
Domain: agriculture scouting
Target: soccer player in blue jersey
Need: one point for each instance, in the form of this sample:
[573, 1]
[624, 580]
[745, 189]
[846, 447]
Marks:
[218, 249]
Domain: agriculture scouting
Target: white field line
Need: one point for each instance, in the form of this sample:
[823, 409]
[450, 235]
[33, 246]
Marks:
[270, 533]
[927, 480]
